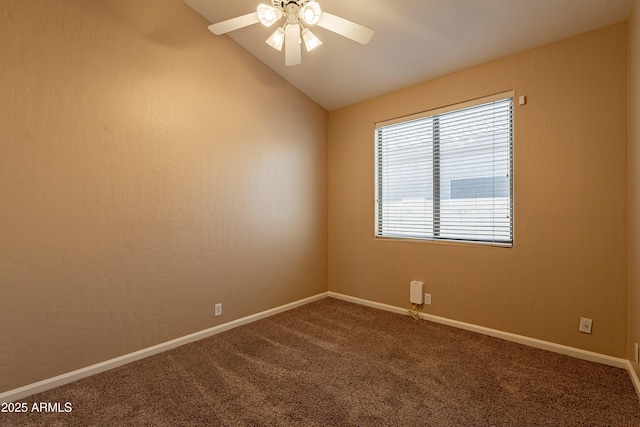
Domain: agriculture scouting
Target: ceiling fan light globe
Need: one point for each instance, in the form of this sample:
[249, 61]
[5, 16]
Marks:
[268, 15]
[310, 13]
[276, 40]
[310, 40]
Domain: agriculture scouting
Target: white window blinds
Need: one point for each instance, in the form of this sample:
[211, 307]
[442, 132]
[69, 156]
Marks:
[448, 174]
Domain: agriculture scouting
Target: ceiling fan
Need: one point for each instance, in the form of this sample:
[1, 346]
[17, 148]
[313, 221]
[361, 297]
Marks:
[292, 33]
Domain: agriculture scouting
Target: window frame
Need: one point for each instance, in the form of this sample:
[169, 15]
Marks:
[434, 114]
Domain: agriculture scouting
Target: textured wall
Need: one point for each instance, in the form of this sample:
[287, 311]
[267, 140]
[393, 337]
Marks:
[148, 169]
[633, 49]
[570, 253]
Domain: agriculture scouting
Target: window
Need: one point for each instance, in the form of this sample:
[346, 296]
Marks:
[447, 174]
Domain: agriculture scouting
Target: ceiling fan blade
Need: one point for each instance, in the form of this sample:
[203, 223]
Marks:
[292, 48]
[234, 23]
[355, 32]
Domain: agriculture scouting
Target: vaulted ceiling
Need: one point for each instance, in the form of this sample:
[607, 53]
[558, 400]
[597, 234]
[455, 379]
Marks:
[415, 40]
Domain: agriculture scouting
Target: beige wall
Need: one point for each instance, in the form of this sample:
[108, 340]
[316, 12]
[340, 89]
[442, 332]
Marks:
[146, 173]
[570, 253]
[634, 178]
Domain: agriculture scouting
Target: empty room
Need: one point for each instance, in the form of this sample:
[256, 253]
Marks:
[320, 213]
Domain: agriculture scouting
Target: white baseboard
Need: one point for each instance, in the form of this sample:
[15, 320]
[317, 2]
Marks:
[30, 389]
[520, 339]
[368, 303]
[634, 377]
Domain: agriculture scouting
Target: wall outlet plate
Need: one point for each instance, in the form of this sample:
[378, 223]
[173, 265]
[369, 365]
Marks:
[218, 311]
[585, 325]
[427, 299]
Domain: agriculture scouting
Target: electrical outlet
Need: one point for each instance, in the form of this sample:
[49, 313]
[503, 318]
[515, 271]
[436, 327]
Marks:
[585, 325]
[427, 299]
[636, 356]
[218, 311]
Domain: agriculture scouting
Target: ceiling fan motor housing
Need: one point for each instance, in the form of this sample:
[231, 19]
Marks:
[291, 11]
[281, 4]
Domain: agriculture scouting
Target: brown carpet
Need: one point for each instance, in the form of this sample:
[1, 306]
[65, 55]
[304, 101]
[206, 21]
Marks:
[332, 363]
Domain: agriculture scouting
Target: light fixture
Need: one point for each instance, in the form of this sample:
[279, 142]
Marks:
[310, 40]
[297, 14]
[268, 15]
[310, 13]
[276, 40]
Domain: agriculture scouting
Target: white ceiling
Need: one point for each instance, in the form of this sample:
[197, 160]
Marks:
[415, 40]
